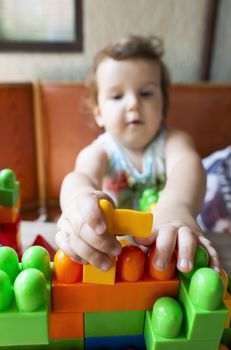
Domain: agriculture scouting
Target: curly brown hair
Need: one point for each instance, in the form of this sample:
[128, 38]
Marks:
[133, 46]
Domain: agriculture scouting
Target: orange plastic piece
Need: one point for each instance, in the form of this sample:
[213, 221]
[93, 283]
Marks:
[124, 222]
[93, 275]
[225, 280]
[165, 275]
[227, 301]
[66, 325]
[223, 347]
[9, 214]
[123, 296]
[66, 270]
[131, 264]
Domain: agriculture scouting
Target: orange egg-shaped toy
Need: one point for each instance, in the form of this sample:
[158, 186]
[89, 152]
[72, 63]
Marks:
[66, 270]
[131, 263]
[165, 275]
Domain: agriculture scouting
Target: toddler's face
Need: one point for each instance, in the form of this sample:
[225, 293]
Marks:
[129, 100]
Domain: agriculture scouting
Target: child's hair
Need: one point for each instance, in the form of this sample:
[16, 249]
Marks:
[133, 46]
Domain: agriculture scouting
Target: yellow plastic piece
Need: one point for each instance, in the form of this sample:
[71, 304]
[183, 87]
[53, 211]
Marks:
[227, 301]
[93, 275]
[125, 222]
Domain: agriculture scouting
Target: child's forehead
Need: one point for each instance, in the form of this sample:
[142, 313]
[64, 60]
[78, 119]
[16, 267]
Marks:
[137, 68]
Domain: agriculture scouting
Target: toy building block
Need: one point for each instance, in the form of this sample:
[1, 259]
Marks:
[205, 312]
[124, 222]
[131, 264]
[39, 240]
[102, 324]
[93, 275]
[9, 215]
[227, 302]
[24, 313]
[115, 343]
[66, 325]
[11, 227]
[165, 275]
[148, 199]
[9, 188]
[226, 337]
[66, 270]
[123, 296]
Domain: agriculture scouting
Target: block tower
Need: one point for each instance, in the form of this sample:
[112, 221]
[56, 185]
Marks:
[9, 210]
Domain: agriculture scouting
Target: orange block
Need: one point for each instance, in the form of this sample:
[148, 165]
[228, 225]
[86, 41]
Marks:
[227, 301]
[9, 214]
[66, 325]
[125, 222]
[93, 275]
[123, 296]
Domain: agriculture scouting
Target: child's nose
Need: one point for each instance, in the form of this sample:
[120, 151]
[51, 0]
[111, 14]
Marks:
[132, 102]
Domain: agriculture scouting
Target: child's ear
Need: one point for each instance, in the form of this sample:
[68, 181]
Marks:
[98, 117]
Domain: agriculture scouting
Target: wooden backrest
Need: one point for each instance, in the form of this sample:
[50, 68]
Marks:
[17, 138]
[203, 110]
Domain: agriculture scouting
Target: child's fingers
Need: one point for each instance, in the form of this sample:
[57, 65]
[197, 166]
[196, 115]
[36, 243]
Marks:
[62, 240]
[187, 241]
[88, 206]
[88, 253]
[165, 244]
[213, 255]
[104, 243]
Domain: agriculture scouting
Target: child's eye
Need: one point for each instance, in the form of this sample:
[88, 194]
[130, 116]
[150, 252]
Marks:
[116, 97]
[146, 93]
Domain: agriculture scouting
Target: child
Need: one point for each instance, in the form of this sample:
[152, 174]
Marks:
[128, 86]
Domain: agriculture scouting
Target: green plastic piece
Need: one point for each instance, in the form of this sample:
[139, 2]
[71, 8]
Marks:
[167, 317]
[30, 290]
[37, 257]
[200, 323]
[9, 188]
[149, 197]
[9, 262]
[6, 291]
[102, 324]
[57, 344]
[154, 341]
[206, 289]
[201, 259]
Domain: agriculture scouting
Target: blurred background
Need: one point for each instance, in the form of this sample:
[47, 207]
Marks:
[196, 35]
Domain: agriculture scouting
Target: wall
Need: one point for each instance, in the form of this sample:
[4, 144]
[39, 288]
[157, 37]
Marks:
[181, 23]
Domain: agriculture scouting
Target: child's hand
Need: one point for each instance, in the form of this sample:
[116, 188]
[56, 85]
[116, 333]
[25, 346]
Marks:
[177, 227]
[82, 231]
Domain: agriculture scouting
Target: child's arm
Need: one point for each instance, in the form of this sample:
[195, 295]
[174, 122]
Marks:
[180, 202]
[81, 226]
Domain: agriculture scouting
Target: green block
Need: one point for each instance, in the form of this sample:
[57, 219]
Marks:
[200, 323]
[58, 344]
[154, 342]
[23, 328]
[226, 337]
[116, 323]
[9, 188]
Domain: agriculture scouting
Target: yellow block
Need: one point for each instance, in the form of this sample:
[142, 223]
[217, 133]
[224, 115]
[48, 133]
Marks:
[125, 222]
[93, 275]
[227, 301]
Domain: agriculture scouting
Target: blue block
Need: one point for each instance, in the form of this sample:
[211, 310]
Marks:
[115, 343]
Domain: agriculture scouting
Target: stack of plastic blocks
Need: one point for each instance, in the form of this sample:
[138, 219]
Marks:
[9, 210]
[24, 297]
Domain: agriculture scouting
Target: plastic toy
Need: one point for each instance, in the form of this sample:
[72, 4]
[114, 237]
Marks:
[141, 310]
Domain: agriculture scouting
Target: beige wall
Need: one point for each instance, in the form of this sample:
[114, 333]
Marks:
[181, 23]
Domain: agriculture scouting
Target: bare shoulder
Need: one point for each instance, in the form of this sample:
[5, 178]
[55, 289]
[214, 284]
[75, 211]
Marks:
[92, 156]
[179, 140]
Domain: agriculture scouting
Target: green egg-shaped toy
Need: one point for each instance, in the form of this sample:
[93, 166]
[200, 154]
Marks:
[9, 262]
[30, 290]
[7, 179]
[167, 317]
[37, 257]
[206, 289]
[6, 291]
[201, 259]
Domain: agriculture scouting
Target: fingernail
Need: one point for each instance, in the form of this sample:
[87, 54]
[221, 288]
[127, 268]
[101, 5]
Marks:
[105, 266]
[184, 264]
[100, 228]
[160, 263]
[116, 250]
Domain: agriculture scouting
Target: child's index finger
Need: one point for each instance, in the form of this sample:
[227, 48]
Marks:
[125, 222]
